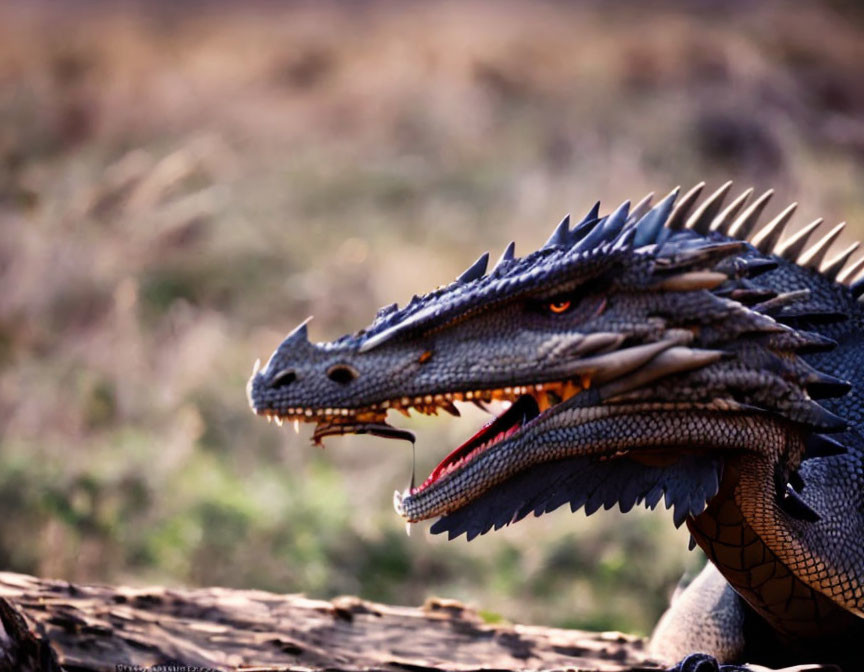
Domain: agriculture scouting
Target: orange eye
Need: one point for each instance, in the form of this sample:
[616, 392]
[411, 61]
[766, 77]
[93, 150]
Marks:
[559, 307]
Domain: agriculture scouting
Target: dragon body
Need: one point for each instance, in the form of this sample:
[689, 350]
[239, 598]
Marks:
[679, 353]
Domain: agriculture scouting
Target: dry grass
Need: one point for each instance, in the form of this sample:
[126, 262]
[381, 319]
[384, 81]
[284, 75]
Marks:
[178, 188]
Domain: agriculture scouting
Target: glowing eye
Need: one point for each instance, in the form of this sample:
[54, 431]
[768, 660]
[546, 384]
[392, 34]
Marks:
[559, 307]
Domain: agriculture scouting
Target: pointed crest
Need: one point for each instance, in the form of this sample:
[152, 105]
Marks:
[475, 270]
[560, 236]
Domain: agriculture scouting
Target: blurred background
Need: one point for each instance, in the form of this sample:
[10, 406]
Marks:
[182, 183]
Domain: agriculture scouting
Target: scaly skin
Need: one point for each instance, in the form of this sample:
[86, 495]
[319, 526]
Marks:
[649, 355]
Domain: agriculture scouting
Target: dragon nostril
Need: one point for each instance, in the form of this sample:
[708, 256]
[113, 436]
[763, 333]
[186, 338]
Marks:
[342, 373]
[283, 378]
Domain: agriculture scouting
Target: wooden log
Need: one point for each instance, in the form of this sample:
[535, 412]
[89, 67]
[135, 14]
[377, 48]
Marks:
[55, 626]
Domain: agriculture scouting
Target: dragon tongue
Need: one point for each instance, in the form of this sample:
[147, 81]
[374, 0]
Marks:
[525, 408]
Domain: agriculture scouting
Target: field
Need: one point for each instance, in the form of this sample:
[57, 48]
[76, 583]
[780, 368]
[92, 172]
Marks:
[180, 186]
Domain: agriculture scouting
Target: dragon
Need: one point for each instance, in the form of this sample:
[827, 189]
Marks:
[677, 353]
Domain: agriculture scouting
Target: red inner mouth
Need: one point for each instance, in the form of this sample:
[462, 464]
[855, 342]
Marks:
[505, 425]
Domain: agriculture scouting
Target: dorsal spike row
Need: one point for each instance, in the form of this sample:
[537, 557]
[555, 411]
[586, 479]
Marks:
[790, 249]
[561, 235]
[678, 217]
[812, 258]
[475, 270]
[700, 220]
[648, 227]
[833, 267]
[742, 226]
[726, 216]
[766, 238]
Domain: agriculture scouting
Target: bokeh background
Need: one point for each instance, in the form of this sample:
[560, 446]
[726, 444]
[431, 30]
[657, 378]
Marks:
[181, 185]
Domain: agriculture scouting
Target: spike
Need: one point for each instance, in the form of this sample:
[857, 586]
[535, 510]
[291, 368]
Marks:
[766, 238]
[507, 255]
[850, 271]
[796, 507]
[742, 226]
[615, 364]
[780, 301]
[700, 221]
[616, 220]
[790, 249]
[819, 445]
[586, 225]
[475, 270]
[641, 208]
[837, 263]
[673, 360]
[692, 281]
[679, 214]
[822, 385]
[726, 216]
[813, 257]
[451, 408]
[560, 235]
[296, 426]
[300, 333]
[650, 225]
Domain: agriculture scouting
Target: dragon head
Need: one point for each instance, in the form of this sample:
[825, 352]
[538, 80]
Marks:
[637, 352]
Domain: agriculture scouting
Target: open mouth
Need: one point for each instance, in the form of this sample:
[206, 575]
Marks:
[503, 427]
[526, 403]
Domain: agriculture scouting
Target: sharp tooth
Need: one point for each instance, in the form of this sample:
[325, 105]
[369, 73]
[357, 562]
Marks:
[404, 411]
[408, 526]
[269, 418]
[256, 367]
[296, 426]
[278, 420]
[479, 404]
[451, 409]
